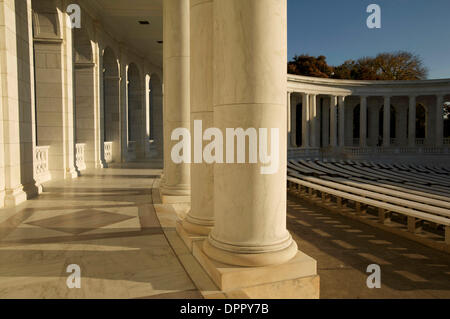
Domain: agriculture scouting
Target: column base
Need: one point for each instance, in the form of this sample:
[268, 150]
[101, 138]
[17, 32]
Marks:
[175, 195]
[295, 279]
[252, 259]
[14, 197]
[188, 237]
[71, 173]
[32, 189]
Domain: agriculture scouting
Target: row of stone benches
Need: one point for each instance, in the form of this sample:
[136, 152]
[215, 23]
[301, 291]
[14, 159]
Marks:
[345, 181]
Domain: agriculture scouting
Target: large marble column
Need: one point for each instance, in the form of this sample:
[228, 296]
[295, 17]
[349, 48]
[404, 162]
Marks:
[176, 186]
[341, 103]
[439, 120]
[363, 122]
[333, 121]
[200, 219]
[412, 121]
[387, 122]
[306, 120]
[250, 92]
[10, 176]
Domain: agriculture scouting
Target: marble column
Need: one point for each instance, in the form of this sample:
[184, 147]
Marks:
[176, 60]
[333, 121]
[412, 121]
[250, 92]
[387, 122]
[439, 120]
[315, 123]
[289, 119]
[341, 105]
[11, 187]
[363, 122]
[294, 128]
[200, 218]
[306, 120]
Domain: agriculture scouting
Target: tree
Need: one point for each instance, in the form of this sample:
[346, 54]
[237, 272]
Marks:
[399, 65]
[310, 66]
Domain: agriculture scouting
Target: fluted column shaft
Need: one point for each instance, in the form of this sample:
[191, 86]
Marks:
[306, 119]
[363, 122]
[333, 121]
[250, 92]
[176, 93]
[200, 219]
[315, 123]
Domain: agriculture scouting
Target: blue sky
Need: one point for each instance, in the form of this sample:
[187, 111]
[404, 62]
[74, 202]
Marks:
[338, 30]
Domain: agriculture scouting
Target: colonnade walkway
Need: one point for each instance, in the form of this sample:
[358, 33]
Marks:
[112, 224]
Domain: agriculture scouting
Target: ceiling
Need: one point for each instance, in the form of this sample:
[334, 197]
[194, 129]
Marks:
[121, 19]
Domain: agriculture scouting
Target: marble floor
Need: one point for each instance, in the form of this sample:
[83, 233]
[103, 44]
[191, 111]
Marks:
[112, 224]
[106, 223]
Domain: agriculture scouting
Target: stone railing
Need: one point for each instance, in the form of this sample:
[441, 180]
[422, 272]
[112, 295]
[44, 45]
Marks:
[41, 168]
[79, 156]
[108, 149]
[303, 152]
[420, 141]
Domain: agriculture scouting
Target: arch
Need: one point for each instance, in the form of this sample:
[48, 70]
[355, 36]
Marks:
[110, 63]
[299, 124]
[111, 103]
[356, 121]
[83, 50]
[45, 19]
[135, 118]
[156, 132]
[421, 120]
[446, 116]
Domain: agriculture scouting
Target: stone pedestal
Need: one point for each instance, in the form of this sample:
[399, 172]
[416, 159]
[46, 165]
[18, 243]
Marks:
[295, 279]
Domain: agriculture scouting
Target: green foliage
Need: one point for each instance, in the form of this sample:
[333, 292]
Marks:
[385, 66]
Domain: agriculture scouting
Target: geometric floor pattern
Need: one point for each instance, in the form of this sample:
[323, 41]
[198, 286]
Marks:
[81, 221]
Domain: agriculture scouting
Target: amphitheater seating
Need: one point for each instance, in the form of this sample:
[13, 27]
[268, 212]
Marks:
[418, 193]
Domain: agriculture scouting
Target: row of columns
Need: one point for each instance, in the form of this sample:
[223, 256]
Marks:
[210, 74]
[311, 122]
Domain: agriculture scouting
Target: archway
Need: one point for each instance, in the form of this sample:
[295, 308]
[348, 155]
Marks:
[87, 111]
[299, 124]
[421, 121]
[136, 135]
[111, 108]
[356, 121]
[156, 135]
[446, 115]
[54, 108]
